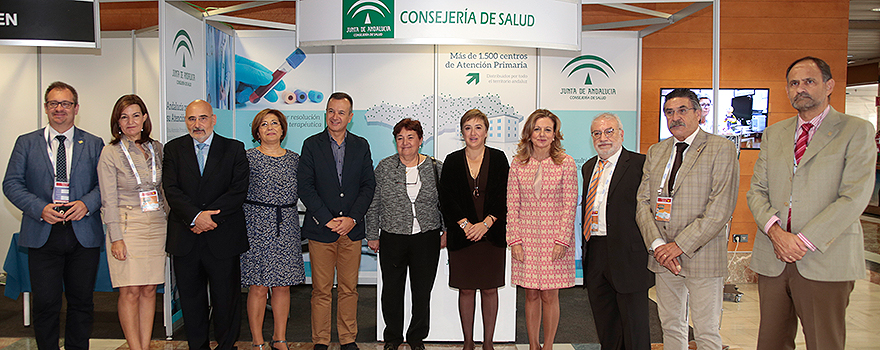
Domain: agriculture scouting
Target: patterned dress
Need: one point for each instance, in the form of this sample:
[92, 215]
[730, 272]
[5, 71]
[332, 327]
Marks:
[275, 255]
[539, 223]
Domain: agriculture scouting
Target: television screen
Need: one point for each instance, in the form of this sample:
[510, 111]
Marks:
[737, 114]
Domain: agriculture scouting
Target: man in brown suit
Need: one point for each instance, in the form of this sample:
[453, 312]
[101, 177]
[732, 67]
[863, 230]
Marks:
[684, 204]
[812, 180]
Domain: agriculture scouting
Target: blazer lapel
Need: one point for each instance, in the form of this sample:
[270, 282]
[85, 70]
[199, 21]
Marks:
[690, 158]
[826, 132]
[77, 150]
[44, 144]
[215, 153]
[327, 155]
[619, 169]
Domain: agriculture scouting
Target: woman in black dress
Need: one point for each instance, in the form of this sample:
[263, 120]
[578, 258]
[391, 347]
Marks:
[474, 206]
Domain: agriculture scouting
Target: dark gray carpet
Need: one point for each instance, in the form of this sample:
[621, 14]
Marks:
[576, 323]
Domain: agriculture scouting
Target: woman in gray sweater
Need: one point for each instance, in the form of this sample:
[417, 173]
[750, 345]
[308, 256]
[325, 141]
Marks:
[405, 217]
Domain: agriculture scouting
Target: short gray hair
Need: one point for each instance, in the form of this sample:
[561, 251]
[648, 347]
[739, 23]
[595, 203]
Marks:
[608, 115]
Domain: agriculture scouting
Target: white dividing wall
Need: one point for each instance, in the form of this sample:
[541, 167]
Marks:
[20, 114]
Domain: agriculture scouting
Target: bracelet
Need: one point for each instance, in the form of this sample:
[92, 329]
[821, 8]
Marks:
[463, 224]
[485, 224]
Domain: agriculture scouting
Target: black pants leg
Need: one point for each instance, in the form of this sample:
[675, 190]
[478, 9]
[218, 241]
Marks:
[393, 261]
[424, 253]
[62, 263]
[195, 272]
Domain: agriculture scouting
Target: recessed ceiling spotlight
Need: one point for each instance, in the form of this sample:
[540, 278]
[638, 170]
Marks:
[876, 9]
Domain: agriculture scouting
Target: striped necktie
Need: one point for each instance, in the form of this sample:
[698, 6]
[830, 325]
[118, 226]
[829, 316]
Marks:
[800, 147]
[590, 201]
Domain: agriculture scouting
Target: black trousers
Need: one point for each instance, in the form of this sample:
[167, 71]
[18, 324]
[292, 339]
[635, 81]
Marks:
[621, 318]
[63, 264]
[419, 254]
[194, 273]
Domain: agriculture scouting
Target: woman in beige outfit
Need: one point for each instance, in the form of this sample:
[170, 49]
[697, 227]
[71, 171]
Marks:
[133, 207]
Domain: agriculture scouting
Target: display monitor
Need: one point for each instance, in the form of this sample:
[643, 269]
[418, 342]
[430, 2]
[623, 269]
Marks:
[738, 113]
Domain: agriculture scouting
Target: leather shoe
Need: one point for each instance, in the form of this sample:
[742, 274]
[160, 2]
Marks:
[321, 346]
[349, 346]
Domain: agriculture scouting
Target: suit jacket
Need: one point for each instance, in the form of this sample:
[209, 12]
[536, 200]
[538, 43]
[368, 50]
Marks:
[628, 258]
[391, 209]
[30, 179]
[320, 191]
[223, 186]
[457, 202]
[703, 199]
[828, 193]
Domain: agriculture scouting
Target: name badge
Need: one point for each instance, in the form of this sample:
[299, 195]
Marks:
[664, 209]
[149, 200]
[594, 222]
[61, 192]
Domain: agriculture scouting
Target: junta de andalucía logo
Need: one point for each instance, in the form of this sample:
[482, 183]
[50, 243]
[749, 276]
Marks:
[183, 45]
[367, 19]
[588, 62]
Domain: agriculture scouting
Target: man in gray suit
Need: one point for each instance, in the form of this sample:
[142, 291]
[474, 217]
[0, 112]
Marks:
[685, 201]
[812, 180]
[52, 177]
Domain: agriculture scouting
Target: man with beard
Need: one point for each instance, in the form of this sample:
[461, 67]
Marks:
[615, 260]
[685, 201]
[811, 182]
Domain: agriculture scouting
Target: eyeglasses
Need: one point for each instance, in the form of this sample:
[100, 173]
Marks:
[64, 104]
[598, 133]
[706, 104]
[266, 124]
[681, 111]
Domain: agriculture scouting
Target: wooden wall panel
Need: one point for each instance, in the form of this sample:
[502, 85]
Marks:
[759, 39]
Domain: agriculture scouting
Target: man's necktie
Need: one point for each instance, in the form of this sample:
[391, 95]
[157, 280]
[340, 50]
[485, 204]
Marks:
[679, 155]
[591, 197]
[61, 160]
[201, 157]
[800, 147]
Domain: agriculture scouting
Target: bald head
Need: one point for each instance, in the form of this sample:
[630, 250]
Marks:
[200, 120]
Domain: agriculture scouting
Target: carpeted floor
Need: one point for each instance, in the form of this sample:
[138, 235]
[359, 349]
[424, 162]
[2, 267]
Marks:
[576, 325]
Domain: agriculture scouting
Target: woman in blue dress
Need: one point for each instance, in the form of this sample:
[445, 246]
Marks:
[274, 260]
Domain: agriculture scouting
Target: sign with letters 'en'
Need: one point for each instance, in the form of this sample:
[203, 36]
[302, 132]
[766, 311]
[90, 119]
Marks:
[61, 23]
[550, 24]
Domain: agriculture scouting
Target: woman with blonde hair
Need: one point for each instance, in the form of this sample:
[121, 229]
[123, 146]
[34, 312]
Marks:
[541, 202]
[473, 189]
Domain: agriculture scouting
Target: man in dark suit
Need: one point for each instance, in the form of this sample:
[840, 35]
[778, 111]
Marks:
[336, 184]
[52, 177]
[205, 178]
[615, 259]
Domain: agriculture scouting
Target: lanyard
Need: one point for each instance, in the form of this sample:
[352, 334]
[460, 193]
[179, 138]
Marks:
[666, 172]
[131, 163]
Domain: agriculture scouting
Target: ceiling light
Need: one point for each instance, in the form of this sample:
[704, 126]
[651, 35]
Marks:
[876, 9]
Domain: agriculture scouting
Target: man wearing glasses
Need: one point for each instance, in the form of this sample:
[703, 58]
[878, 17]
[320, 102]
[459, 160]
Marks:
[685, 201]
[52, 177]
[614, 258]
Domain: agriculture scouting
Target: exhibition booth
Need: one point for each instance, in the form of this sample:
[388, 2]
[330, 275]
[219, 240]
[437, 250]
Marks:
[418, 59]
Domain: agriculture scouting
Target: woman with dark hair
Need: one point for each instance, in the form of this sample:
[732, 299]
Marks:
[405, 217]
[274, 260]
[541, 201]
[473, 189]
[133, 208]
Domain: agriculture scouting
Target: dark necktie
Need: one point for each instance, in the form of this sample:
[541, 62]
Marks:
[61, 160]
[679, 155]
